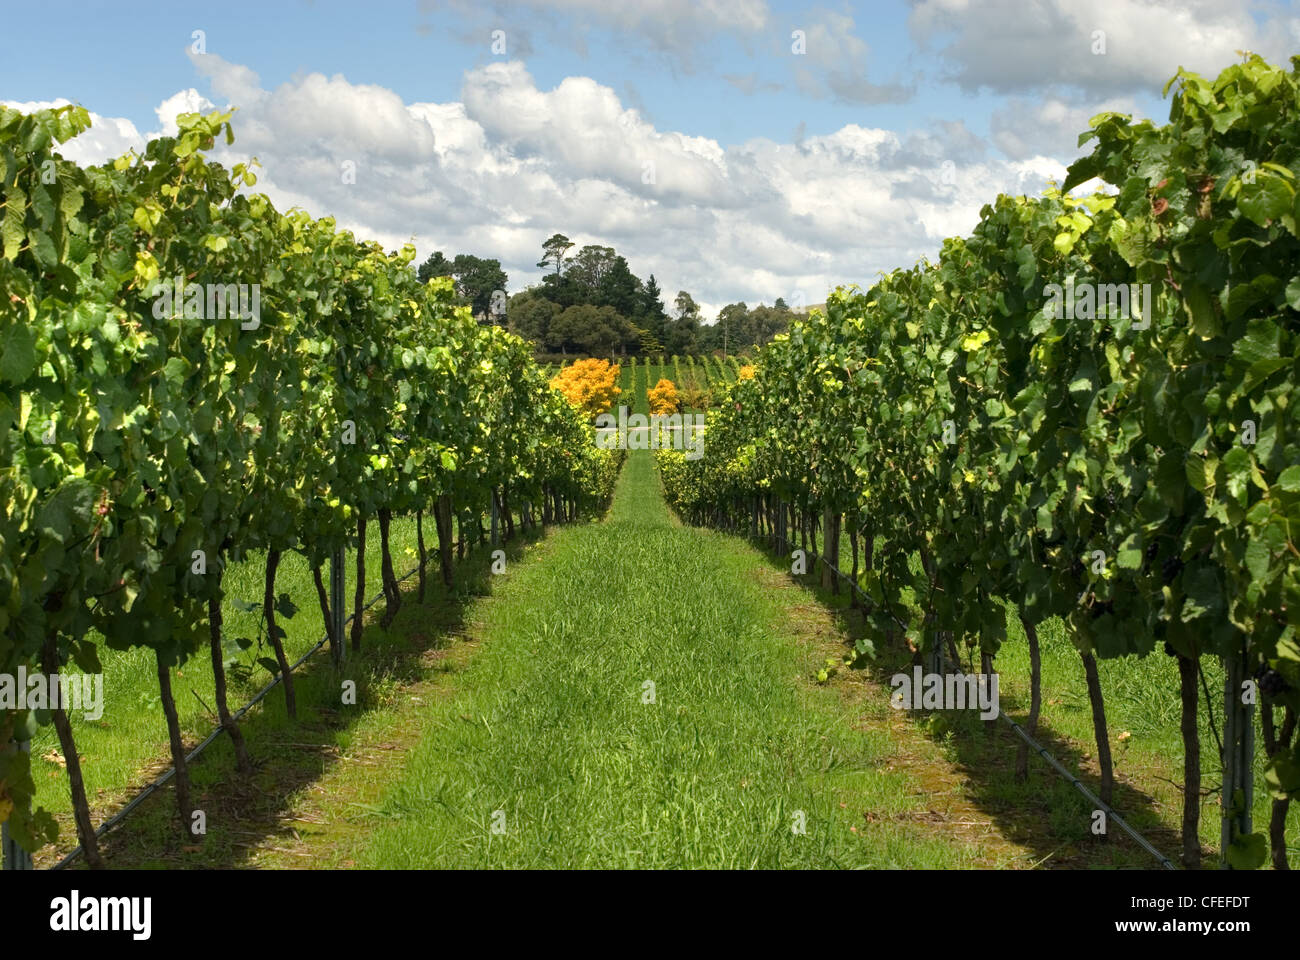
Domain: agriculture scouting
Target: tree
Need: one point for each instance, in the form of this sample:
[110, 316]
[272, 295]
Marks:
[628, 314]
[651, 313]
[682, 334]
[591, 329]
[609, 332]
[588, 268]
[762, 324]
[477, 280]
[530, 315]
[708, 337]
[686, 306]
[619, 288]
[648, 343]
[567, 329]
[561, 290]
[435, 266]
[554, 251]
[732, 319]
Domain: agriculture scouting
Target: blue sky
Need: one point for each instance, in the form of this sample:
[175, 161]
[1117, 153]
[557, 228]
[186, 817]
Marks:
[776, 173]
[421, 55]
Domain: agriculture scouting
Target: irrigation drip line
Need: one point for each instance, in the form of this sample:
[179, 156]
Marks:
[148, 791]
[1039, 749]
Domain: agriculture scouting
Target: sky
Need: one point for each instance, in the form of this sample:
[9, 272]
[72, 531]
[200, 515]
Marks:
[740, 150]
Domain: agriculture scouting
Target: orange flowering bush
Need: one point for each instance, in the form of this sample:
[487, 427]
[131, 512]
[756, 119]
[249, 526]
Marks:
[663, 397]
[590, 385]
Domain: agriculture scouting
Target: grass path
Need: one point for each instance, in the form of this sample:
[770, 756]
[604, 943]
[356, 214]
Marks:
[507, 723]
[542, 750]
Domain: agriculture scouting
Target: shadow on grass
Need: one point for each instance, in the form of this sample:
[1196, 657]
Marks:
[1044, 813]
[290, 755]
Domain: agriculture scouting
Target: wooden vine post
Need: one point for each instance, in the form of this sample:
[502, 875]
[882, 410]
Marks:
[1238, 750]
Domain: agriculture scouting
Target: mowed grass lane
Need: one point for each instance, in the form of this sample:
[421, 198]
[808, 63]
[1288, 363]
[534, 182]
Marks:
[547, 753]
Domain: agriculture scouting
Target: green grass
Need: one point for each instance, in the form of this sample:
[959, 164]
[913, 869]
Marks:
[548, 724]
[626, 381]
[653, 373]
[637, 402]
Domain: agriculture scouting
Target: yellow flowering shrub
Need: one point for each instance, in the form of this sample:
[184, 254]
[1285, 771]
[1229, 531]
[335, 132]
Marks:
[590, 385]
[663, 397]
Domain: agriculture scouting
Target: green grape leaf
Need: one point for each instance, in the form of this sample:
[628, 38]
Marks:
[17, 353]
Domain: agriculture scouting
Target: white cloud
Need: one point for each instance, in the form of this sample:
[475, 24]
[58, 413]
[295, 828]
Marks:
[236, 83]
[107, 138]
[834, 62]
[1010, 45]
[499, 171]
[1048, 125]
[582, 127]
[187, 101]
[676, 28]
[110, 137]
[841, 58]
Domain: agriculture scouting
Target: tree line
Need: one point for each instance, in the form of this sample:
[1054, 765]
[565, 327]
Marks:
[590, 302]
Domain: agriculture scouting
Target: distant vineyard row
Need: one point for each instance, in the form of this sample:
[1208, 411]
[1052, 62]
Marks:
[705, 370]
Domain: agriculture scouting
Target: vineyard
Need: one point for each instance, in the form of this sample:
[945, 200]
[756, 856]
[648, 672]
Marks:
[700, 378]
[1061, 459]
[1078, 419]
[159, 422]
